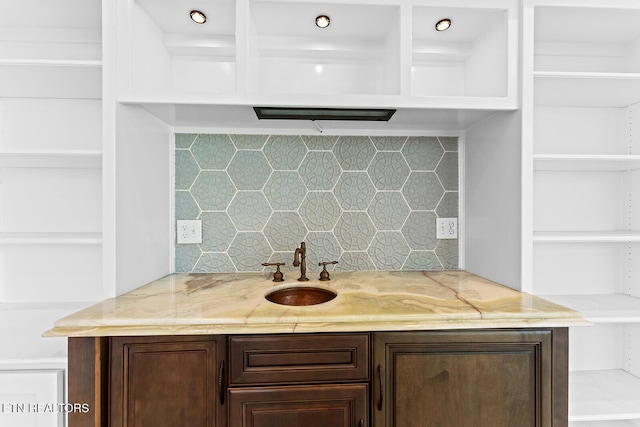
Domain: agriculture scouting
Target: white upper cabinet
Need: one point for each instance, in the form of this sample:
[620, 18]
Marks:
[373, 53]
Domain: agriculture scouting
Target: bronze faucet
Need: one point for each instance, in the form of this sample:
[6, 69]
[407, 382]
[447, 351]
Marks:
[300, 259]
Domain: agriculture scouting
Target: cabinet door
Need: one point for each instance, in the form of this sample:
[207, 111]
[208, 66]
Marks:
[167, 381]
[472, 378]
[299, 406]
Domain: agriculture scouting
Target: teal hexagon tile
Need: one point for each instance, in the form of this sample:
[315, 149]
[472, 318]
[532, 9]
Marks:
[422, 153]
[217, 231]
[249, 210]
[355, 261]
[285, 190]
[388, 143]
[249, 250]
[388, 210]
[213, 151]
[447, 252]
[249, 170]
[285, 152]
[185, 206]
[354, 231]
[354, 190]
[285, 231]
[186, 170]
[320, 170]
[320, 211]
[422, 261]
[186, 257]
[388, 250]
[319, 142]
[321, 247]
[448, 171]
[213, 190]
[354, 152]
[184, 140]
[214, 262]
[449, 143]
[249, 142]
[423, 191]
[420, 230]
[448, 206]
[388, 170]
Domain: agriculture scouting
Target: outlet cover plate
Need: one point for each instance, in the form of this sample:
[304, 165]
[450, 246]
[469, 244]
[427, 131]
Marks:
[446, 228]
[189, 231]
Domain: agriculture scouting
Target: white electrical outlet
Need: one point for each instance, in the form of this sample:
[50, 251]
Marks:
[446, 228]
[189, 231]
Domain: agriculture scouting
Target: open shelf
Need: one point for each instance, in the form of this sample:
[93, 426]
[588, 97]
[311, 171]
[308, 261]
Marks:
[585, 267]
[470, 59]
[585, 201]
[579, 136]
[602, 308]
[603, 395]
[586, 89]
[170, 54]
[52, 159]
[50, 238]
[357, 54]
[587, 236]
[586, 162]
[571, 38]
[51, 54]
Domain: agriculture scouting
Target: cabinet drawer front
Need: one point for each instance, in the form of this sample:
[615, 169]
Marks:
[309, 406]
[297, 358]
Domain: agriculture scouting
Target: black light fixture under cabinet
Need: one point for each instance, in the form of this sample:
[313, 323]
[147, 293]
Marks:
[298, 113]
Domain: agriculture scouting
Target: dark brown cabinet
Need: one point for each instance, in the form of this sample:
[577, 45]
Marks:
[302, 380]
[166, 381]
[500, 378]
[492, 378]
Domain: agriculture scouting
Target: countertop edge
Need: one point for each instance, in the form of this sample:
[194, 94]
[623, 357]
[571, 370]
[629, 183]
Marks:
[268, 328]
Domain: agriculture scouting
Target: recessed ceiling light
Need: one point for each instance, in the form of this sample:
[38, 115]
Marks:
[198, 17]
[323, 21]
[443, 24]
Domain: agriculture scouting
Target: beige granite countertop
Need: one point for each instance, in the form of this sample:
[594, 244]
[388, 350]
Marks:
[229, 303]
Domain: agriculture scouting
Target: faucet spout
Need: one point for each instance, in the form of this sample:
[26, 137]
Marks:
[300, 259]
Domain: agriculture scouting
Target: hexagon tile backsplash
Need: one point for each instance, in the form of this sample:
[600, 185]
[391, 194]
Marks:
[370, 203]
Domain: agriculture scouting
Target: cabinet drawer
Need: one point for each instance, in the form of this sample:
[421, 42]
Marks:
[298, 358]
[340, 405]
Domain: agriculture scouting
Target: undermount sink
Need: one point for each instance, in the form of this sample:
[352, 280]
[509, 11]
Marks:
[301, 296]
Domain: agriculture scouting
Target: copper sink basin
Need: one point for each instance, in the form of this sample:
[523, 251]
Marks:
[301, 296]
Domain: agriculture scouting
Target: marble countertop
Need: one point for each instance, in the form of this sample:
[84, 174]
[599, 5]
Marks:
[230, 303]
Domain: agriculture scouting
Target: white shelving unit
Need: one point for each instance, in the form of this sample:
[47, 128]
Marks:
[50, 180]
[269, 52]
[581, 239]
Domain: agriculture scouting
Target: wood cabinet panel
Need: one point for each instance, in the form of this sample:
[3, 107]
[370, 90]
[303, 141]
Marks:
[470, 378]
[88, 374]
[299, 406]
[296, 358]
[167, 381]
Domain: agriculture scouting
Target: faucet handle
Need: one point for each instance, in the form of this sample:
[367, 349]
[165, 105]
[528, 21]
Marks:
[324, 274]
[277, 275]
